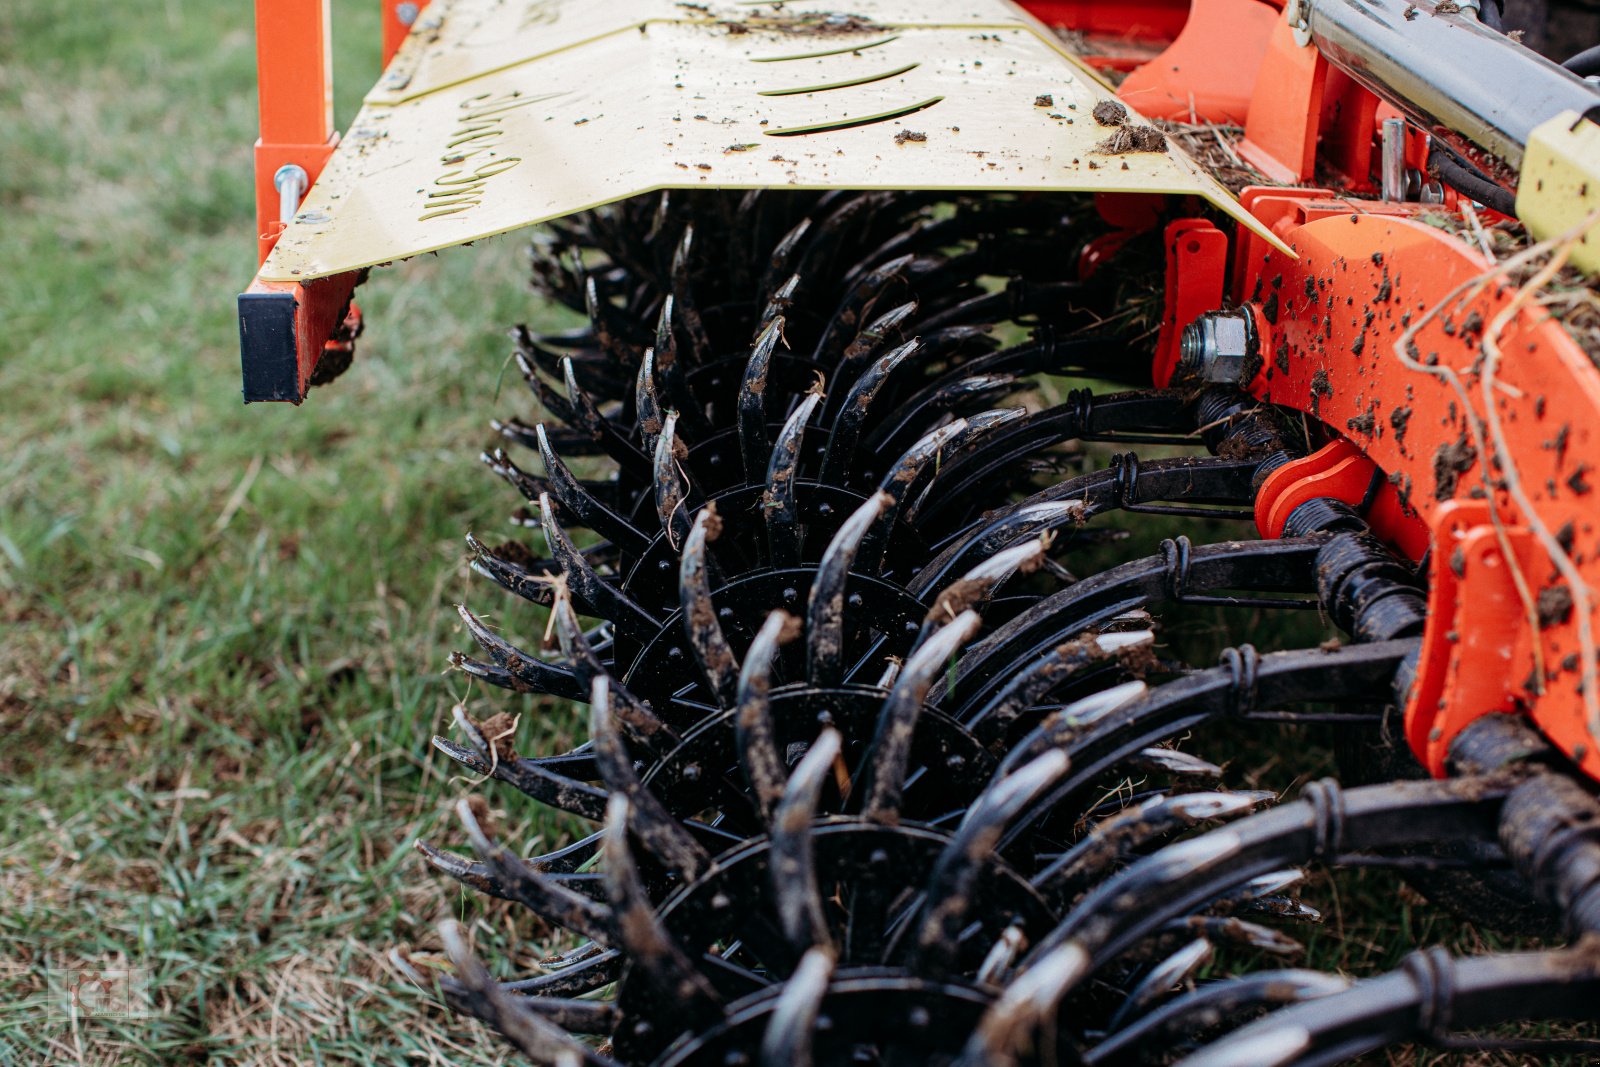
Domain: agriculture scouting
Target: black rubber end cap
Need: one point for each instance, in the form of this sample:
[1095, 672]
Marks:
[268, 359]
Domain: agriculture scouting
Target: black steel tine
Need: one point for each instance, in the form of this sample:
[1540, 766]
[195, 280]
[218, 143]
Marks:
[1166, 976]
[599, 428]
[1023, 1017]
[530, 778]
[976, 588]
[711, 648]
[671, 488]
[754, 446]
[536, 1037]
[1114, 839]
[781, 264]
[779, 303]
[512, 577]
[647, 403]
[638, 721]
[861, 352]
[527, 484]
[557, 405]
[794, 873]
[590, 591]
[607, 327]
[825, 609]
[845, 435]
[675, 393]
[566, 490]
[778, 507]
[1229, 929]
[537, 892]
[686, 313]
[1417, 1003]
[1182, 1017]
[524, 673]
[992, 721]
[654, 955]
[669, 843]
[907, 470]
[1175, 763]
[758, 750]
[1192, 873]
[1002, 956]
[888, 759]
[787, 1040]
[861, 296]
[948, 902]
[977, 427]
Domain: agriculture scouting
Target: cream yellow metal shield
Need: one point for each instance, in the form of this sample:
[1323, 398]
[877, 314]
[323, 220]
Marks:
[499, 114]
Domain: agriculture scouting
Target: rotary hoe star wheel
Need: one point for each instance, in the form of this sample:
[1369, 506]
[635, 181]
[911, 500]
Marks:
[895, 755]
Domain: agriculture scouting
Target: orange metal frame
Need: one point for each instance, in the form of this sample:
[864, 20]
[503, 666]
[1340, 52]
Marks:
[285, 328]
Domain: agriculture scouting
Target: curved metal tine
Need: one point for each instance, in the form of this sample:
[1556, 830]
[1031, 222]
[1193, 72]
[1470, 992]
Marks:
[1228, 930]
[565, 488]
[1192, 873]
[897, 486]
[1162, 979]
[1353, 673]
[845, 435]
[950, 897]
[976, 588]
[711, 648]
[539, 893]
[1416, 1003]
[1114, 839]
[530, 486]
[784, 532]
[593, 593]
[519, 671]
[1023, 1017]
[863, 351]
[888, 758]
[591, 971]
[1197, 1010]
[977, 428]
[825, 609]
[608, 326]
[675, 394]
[787, 1040]
[671, 483]
[654, 955]
[992, 721]
[600, 429]
[646, 403]
[1285, 566]
[670, 844]
[754, 445]
[686, 315]
[1174, 763]
[758, 749]
[640, 723]
[1002, 956]
[557, 405]
[532, 779]
[781, 301]
[780, 266]
[512, 577]
[859, 299]
[536, 1037]
[794, 872]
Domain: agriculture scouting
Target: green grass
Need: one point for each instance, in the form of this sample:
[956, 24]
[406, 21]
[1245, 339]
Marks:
[222, 629]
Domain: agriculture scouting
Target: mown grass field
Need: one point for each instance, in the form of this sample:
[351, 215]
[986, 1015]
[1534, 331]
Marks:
[223, 630]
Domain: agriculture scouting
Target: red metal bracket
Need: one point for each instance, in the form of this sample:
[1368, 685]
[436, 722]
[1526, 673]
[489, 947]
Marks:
[1209, 73]
[1341, 471]
[1197, 274]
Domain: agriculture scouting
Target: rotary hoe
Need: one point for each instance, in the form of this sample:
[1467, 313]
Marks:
[996, 439]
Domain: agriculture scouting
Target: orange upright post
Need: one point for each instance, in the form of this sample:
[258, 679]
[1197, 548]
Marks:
[295, 78]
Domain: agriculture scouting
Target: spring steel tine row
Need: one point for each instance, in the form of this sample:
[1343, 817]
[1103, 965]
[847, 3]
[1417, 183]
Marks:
[871, 775]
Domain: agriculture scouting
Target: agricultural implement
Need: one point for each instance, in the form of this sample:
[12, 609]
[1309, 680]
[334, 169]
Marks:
[946, 372]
